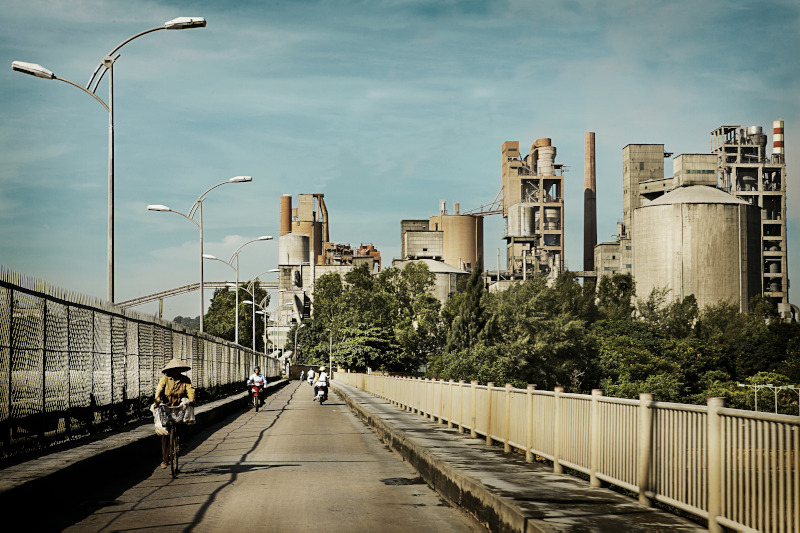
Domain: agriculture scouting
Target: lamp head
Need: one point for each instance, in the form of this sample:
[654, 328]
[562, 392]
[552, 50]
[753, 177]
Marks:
[209, 256]
[265, 238]
[185, 23]
[158, 207]
[250, 302]
[33, 69]
[241, 179]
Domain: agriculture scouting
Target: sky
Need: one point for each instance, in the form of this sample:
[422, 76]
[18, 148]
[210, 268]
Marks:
[384, 106]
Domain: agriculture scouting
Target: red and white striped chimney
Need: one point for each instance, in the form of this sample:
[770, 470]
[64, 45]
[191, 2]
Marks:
[777, 139]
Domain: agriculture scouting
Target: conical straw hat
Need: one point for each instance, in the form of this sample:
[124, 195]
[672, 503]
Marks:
[177, 364]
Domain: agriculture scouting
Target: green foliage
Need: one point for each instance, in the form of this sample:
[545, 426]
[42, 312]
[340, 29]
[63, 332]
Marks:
[187, 321]
[614, 296]
[220, 318]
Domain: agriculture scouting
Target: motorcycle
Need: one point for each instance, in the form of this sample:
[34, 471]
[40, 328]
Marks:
[256, 390]
[322, 393]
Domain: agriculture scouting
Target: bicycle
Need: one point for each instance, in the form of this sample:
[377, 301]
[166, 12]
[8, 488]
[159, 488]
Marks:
[171, 417]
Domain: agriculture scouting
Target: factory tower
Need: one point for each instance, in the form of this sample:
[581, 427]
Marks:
[533, 206]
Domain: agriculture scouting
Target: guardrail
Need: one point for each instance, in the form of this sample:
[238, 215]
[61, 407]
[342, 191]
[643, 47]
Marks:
[737, 469]
[71, 364]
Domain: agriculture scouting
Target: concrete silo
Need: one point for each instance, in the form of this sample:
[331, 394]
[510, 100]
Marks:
[462, 238]
[698, 240]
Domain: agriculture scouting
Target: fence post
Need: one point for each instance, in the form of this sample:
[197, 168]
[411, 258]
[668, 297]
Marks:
[450, 414]
[594, 439]
[557, 468]
[507, 435]
[44, 371]
[489, 387]
[441, 400]
[645, 435]
[714, 461]
[529, 424]
[474, 419]
[460, 405]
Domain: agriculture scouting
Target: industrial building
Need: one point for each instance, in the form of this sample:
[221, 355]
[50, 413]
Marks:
[748, 172]
[716, 228]
[305, 253]
[533, 208]
[450, 244]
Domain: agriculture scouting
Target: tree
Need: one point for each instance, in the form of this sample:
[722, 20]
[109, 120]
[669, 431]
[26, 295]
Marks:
[468, 326]
[220, 317]
[615, 296]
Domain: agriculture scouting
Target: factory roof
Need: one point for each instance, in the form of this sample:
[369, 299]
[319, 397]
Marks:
[437, 267]
[696, 194]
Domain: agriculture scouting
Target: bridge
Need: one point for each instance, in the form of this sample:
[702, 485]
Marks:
[78, 374]
[299, 466]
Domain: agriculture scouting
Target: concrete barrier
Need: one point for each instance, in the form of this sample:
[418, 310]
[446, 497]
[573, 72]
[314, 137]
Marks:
[54, 482]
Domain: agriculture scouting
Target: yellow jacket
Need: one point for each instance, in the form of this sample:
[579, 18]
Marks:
[171, 391]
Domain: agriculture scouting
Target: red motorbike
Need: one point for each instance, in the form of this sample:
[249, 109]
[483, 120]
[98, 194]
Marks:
[256, 390]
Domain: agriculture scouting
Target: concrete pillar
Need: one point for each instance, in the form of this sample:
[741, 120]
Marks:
[529, 424]
[714, 461]
[645, 448]
[489, 387]
[594, 438]
[474, 417]
[557, 468]
[507, 433]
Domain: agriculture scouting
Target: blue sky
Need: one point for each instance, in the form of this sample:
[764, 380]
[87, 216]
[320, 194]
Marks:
[386, 107]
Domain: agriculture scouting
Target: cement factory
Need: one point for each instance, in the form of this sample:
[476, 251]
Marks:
[716, 228]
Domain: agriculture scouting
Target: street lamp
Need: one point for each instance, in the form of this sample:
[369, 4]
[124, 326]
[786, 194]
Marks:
[107, 63]
[792, 387]
[262, 311]
[197, 208]
[769, 386]
[236, 269]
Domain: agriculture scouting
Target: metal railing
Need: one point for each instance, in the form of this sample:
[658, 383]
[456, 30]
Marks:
[737, 469]
[71, 365]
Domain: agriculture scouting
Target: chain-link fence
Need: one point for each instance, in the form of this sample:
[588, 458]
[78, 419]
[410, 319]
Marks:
[71, 365]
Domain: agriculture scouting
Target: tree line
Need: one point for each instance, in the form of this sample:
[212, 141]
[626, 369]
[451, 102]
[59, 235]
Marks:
[552, 333]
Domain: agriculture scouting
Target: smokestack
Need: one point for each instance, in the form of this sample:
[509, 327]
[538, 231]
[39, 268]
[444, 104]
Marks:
[589, 202]
[286, 214]
[777, 140]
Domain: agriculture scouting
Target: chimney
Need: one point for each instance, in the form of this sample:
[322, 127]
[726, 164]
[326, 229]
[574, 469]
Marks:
[286, 214]
[777, 140]
[589, 202]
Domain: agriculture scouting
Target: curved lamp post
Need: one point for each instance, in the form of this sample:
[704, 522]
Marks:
[236, 268]
[107, 65]
[197, 208]
[262, 311]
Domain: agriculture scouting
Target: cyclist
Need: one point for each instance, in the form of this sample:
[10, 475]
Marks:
[172, 388]
[256, 378]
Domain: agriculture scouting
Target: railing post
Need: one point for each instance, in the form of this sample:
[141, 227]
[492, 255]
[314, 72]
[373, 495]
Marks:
[450, 414]
[460, 405]
[507, 435]
[441, 400]
[489, 387]
[557, 468]
[529, 424]
[594, 438]
[714, 460]
[645, 435]
[474, 419]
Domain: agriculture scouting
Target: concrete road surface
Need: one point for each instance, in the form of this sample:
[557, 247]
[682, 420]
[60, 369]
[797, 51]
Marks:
[293, 466]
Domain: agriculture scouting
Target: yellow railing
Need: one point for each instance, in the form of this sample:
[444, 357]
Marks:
[737, 469]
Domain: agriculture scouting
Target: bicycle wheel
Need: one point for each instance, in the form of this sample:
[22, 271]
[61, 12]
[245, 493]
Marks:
[174, 449]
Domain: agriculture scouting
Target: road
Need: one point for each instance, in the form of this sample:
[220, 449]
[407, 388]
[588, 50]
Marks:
[293, 466]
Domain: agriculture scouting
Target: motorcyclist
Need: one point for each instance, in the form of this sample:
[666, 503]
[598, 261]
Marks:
[257, 379]
[321, 381]
[310, 376]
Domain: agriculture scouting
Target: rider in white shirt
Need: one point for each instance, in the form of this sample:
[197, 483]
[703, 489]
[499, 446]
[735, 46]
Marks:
[311, 376]
[256, 378]
[322, 381]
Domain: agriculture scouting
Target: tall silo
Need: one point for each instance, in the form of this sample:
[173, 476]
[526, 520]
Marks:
[698, 240]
